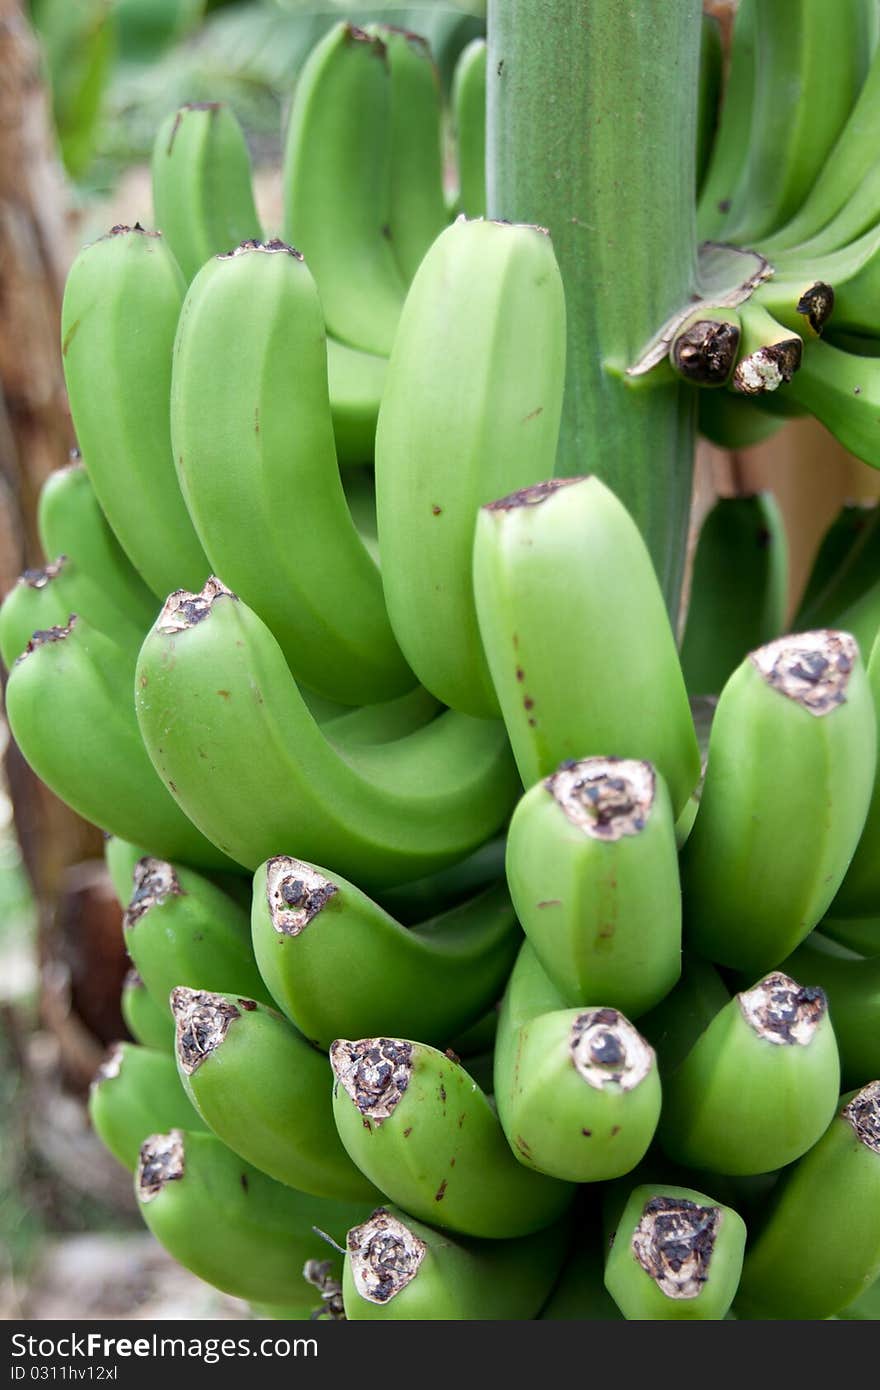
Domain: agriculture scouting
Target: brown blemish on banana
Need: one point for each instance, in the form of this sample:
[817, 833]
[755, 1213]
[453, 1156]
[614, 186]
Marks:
[375, 1073]
[385, 1256]
[110, 1067]
[121, 229]
[863, 1113]
[606, 797]
[296, 893]
[606, 1050]
[132, 980]
[706, 351]
[182, 610]
[674, 1242]
[161, 1160]
[811, 668]
[768, 368]
[155, 881]
[817, 305]
[44, 636]
[530, 496]
[272, 246]
[202, 1021]
[783, 1012]
[352, 34]
[40, 578]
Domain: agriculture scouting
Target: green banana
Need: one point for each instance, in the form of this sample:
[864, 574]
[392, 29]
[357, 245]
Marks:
[121, 303]
[47, 597]
[842, 391]
[577, 1090]
[180, 929]
[575, 631]
[469, 126]
[742, 536]
[858, 934]
[676, 1254]
[398, 1269]
[579, 1294]
[423, 897]
[471, 409]
[593, 875]
[355, 381]
[120, 860]
[731, 144]
[262, 1089]
[70, 522]
[859, 893]
[419, 1127]
[337, 186]
[770, 354]
[251, 436]
[852, 985]
[673, 1026]
[418, 208]
[203, 201]
[337, 964]
[788, 782]
[844, 568]
[226, 726]
[134, 1093]
[149, 1022]
[68, 700]
[844, 197]
[229, 1223]
[381, 723]
[866, 1308]
[811, 62]
[759, 1086]
[819, 1247]
[704, 348]
[732, 422]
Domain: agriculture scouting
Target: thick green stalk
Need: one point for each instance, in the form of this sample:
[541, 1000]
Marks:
[591, 129]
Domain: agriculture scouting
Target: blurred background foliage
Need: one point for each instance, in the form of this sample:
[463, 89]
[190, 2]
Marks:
[117, 67]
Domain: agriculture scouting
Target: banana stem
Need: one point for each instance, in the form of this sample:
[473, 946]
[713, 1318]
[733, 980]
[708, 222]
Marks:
[591, 130]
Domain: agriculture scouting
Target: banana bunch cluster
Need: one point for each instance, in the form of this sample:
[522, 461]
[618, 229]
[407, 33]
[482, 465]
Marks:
[793, 175]
[387, 725]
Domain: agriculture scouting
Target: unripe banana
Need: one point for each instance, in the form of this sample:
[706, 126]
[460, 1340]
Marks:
[788, 782]
[704, 349]
[203, 201]
[70, 522]
[413, 902]
[180, 929]
[471, 410]
[845, 566]
[852, 985]
[759, 1086]
[577, 1090]
[676, 1254]
[819, 1248]
[122, 300]
[674, 1025]
[744, 536]
[134, 1093]
[398, 1269]
[337, 964]
[731, 144]
[337, 186]
[418, 208]
[418, 1127]
[866, 1308]
[148, 1021]
[575, 631]
[842, 390]
[46, 597]
[230, 1224]
[579, 1294]
[68, 700]
[769, 353]
[732, 422]
[593, 873]
[262, 1089]
[355, 381]
[227, 728]
[708, 92]
[121, 859]
[469, 123]
[858, 934]
[250, 435]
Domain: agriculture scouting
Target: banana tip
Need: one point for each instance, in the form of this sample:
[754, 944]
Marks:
[674, 1243]
[385, 1256]
[296, 894]
[161, 1160]
[375, 1073]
